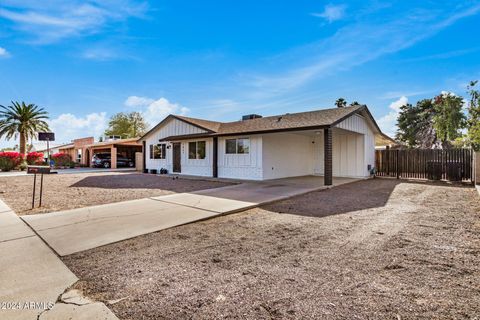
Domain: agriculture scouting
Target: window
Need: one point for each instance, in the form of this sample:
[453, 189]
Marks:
[243, 145]
[196, 150]
[158, 151]
[231, 146]
[237, 146]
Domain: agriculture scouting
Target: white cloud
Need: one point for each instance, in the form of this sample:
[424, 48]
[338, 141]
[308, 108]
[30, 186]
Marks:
[331, 12]
[135, 101]
[68, 126]
[4, 53]
[53, 20]
[388, 123]
[155, 110]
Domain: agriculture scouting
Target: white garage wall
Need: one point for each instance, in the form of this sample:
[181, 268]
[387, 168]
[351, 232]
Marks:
[318, 155]
[348, 154]
[241, 166]
[287, 155]
[358, 123]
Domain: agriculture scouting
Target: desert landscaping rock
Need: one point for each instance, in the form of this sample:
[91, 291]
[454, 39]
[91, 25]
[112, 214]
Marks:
[76, 297]
[390, 250]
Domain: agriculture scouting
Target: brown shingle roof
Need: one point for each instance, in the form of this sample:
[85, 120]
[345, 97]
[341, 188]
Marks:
[286, 122]
[310, 119]
[205, 124]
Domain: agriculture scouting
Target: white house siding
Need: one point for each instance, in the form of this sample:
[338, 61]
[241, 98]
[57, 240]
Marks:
[197, 167]
[287, 155]
[171, 128]
[241, 166]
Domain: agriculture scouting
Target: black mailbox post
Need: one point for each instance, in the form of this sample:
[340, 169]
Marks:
[38, 170]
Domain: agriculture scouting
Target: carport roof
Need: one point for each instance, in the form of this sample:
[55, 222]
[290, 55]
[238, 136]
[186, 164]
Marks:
[126, 142]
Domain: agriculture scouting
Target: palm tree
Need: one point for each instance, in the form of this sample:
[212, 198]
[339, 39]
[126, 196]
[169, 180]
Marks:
[24, 120]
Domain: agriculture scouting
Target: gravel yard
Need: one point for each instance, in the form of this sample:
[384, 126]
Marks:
[69, 191]
[375, 249]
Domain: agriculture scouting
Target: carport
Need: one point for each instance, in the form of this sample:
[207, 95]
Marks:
[125, 147]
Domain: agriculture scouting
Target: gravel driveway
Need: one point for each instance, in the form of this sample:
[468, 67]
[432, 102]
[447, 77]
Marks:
[70, 191]
[406, 251]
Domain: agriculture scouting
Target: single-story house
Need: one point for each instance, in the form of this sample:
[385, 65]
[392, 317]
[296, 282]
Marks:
[329, 142]
[81, 150]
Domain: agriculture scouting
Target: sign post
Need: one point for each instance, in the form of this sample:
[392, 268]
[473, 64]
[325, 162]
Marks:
[37, 170]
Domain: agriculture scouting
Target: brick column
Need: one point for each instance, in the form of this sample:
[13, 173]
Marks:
[327, 151]
[113, 158]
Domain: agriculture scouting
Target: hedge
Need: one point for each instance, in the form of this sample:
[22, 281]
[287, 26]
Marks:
[10, 160]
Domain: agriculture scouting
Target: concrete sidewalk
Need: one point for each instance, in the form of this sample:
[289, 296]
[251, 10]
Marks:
[32, 277]
[81, 229]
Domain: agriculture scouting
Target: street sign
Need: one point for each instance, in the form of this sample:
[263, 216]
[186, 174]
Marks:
[46, 136]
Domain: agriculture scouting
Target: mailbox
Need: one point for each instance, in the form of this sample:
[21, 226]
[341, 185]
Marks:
[38, 169]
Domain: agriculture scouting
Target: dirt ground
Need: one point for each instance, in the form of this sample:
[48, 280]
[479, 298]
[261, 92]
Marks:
[69, 191]
[376, 249]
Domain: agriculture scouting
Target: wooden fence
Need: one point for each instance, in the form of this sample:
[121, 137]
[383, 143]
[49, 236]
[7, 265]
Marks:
[452, 164]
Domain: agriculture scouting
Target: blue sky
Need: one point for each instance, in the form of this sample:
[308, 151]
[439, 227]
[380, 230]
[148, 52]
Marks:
[86, 60]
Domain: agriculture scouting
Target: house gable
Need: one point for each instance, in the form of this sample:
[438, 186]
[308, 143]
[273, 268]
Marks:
[172, 126]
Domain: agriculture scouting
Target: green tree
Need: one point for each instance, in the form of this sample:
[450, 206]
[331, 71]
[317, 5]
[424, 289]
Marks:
[126, 125]
[341, 103]
[473, 119]
[415, 126]
[449, 118]
[24, 120]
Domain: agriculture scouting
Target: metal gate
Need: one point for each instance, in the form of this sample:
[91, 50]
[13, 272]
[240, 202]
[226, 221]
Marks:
[432, 164]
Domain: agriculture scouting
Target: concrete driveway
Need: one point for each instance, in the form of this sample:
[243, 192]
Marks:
[81, 229]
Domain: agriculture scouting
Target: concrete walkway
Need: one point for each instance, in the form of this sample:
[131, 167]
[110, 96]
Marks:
[32, 277]
[76, 230]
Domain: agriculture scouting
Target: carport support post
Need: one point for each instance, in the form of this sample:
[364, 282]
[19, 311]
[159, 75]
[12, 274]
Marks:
[328, 171]
[144, 155]
[113, 157]
[215, 157]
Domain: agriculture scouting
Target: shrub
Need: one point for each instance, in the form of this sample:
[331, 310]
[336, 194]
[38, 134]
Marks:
[35, 158]
[10, 160]
[23, 166]
[62, 159]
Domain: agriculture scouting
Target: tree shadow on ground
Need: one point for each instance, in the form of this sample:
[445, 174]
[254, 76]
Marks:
[360, 195]
[144, 181]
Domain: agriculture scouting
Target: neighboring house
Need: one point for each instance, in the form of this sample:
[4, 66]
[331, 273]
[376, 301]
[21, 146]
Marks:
[81, 150]
[330, 142]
